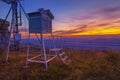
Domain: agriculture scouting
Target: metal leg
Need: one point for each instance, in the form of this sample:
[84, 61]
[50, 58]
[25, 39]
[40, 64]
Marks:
[27, 55]
[53, 41]
[39, 41]
[54, 46]
[38, 38]
[8, 46]
[44, 52]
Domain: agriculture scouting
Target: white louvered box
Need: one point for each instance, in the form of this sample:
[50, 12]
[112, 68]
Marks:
[40, 21]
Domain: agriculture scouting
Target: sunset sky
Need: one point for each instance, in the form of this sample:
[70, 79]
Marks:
[77, 17]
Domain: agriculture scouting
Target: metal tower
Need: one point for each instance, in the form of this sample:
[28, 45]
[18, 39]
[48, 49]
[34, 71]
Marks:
[16, 18]
[16, 21]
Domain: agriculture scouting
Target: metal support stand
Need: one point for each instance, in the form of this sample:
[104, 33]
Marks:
[43, 53]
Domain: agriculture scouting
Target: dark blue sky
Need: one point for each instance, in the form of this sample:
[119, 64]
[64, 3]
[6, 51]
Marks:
[63, 7]
[74, 14]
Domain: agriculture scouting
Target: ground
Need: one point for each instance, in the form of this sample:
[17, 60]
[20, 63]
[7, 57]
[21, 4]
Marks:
[85, 65]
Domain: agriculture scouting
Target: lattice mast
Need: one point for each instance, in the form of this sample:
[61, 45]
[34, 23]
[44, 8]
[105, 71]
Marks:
[16, 19]
[15, 12]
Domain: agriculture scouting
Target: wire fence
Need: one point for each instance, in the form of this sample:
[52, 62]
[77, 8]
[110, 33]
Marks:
[81, 43]
[92, 43]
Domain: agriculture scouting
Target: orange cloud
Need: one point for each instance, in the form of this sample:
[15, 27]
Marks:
[101, 22]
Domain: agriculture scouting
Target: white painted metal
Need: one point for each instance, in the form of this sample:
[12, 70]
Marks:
[44, 52]
[60, 54]
[51, 58]
[40, 21]
[36, 56]
[27, 55]
[66, 60]
[8, 46]
[55, 49]
[30, 60]
[44, 55]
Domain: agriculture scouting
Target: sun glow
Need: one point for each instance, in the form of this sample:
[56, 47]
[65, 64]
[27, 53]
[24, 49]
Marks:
[99, 32]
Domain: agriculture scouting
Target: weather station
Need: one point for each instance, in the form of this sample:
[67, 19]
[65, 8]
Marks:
[40, 23]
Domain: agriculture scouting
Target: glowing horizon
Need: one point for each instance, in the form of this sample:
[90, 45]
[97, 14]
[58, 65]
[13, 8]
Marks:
[99, 22]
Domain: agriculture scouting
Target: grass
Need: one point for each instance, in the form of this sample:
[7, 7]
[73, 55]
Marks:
[85, 65]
